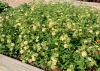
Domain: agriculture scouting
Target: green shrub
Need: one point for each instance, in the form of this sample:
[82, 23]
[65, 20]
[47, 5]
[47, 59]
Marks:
[4, 7]
[52, 36]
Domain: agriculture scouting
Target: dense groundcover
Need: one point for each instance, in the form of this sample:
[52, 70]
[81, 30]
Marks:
[52, 36]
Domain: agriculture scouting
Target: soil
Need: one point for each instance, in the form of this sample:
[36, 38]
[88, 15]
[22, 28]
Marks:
[56, 69]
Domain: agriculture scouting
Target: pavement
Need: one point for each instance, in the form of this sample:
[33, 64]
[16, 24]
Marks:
[3, 68]
[10, 64]
[15, 3]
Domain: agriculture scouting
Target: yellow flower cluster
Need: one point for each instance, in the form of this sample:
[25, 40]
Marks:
[63, 37]
[33, 58]
[54, 31]
[52, 62]
[51, 24]
[34, 27]
[66, 45]
[70, 68]
[84, 53]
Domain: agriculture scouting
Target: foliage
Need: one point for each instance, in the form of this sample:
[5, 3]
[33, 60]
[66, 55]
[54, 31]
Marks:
[52, 36]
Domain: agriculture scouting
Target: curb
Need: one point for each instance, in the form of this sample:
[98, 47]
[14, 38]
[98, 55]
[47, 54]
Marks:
[11, 64]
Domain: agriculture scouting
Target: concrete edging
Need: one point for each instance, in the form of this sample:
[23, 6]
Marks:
[10, 64]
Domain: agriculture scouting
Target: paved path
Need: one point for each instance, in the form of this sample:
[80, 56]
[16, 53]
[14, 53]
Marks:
[15, 3]
[3, 68]
[92, 4]
[10, 64]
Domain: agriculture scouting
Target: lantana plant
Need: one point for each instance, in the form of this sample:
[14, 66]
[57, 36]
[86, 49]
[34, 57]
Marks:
[52, 36]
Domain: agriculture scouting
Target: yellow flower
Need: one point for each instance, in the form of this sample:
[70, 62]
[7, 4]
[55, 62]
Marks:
[93, 62]
[88, 14]
[43, 29]
[17, 21]
[26, 14]
[22, 44]
[25, 42]
[3, 35]
[32, 7]
[52, 63]
[85, 41]
[99, 48]
[63, 37]
[21, 51]
[33, 58]
[0, 25]
[2, 39]
[20, 36]
[69, 26]
[44, 44]
[65, 46]
[69, 69]
[7, 17]
[84, 53]
[91, 31]
[8, 41]
[34, 27]
[51, 24]
[18, 24]
[12, 44]
[53, 66]
[53, 33]
[56, 43]
[25, 47]
[97, 32]
[54, 60]
[37, 38]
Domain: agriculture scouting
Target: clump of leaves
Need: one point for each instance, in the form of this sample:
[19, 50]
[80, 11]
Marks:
[4, 7]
